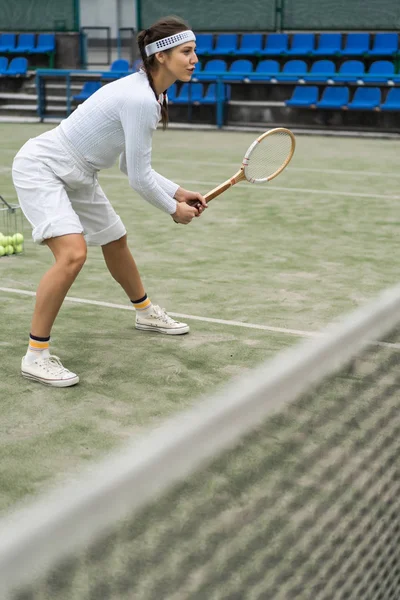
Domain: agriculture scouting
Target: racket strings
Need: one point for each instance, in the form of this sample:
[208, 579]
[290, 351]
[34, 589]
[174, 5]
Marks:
[268, 156]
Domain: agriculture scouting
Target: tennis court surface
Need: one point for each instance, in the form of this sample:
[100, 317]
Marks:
[263, 268]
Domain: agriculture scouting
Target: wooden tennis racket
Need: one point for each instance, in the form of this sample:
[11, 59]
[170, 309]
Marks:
[267, 156]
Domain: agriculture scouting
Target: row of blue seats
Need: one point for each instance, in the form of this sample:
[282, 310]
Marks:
[351, 71]
[364, 98]
[302, 44]
[196, 93]
[17, 67]
[193, 93]
[27, 43]
[303, 96]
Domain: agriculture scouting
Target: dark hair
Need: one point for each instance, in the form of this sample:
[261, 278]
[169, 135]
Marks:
[161, 29]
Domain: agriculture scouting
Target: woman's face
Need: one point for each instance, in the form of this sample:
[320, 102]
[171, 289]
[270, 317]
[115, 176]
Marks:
[180, 61]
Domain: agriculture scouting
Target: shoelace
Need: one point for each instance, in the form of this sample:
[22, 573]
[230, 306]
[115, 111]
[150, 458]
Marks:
[53, 365]
[161, 314]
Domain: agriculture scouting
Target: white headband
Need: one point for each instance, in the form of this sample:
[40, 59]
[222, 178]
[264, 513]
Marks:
[170, 42]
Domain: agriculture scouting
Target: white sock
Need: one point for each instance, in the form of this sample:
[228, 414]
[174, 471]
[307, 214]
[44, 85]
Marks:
[38, 348]
[143, 306]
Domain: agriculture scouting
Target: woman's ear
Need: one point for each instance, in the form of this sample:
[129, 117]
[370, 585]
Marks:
[160, 56]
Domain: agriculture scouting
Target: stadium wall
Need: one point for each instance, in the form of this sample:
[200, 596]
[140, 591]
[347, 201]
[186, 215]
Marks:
[274, 15]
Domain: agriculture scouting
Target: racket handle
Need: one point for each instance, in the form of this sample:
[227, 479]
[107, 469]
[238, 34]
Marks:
[213, 193]
[220, 189]
[239, 176]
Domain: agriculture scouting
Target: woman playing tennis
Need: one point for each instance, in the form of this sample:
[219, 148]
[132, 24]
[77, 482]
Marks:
[55, 176]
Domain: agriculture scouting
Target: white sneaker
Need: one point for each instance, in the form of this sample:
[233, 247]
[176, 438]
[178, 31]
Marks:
[159, 321]
[49, 371]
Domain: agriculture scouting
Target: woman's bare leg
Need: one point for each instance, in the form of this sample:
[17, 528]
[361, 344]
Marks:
[70, 254]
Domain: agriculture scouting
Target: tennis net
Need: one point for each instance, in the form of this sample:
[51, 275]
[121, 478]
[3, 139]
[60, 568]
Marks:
[283, 485]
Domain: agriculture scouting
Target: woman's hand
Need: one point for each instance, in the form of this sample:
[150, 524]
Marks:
[184, 213]
[195, 199]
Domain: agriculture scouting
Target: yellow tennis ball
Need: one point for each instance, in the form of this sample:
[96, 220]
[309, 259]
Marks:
[9, 249]
[18, 248]
[17, 238]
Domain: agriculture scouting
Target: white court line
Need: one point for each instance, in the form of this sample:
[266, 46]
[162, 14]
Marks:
[179, 315]
[284, 330]
[365, 173]
[267, 186]
[160, 161]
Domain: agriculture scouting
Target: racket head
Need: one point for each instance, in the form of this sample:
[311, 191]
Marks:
[268, 155]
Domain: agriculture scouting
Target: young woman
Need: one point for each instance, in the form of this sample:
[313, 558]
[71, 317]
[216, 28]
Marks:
[55, 176]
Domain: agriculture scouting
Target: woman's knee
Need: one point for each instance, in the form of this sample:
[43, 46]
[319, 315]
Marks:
[70, 251]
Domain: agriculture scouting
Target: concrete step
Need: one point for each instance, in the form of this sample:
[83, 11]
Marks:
[30, 107]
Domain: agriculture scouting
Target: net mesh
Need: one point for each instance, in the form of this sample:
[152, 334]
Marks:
[268, 157]
[213, 16]
[40, 15]
[306, 505]
[323, 15]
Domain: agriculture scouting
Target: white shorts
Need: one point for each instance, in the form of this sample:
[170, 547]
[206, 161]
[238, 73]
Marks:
[59, 192]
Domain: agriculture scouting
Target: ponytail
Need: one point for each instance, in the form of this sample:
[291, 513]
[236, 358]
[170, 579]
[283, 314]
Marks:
[163, 28]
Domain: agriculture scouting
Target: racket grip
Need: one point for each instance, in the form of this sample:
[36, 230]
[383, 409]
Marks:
[194, 203]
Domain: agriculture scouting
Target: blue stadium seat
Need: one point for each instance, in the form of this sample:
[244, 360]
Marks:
[350, 71]
[321, 71]
[18, 66]
[210, 97]
[136, 65]
[189, 93]
[7, 42]
[89, 88]
[204, 43]
[198, 93]
[292, 71]
[385, 44]
[357, 44]
[365, 98]
[334, 97]
[251, 44]
[303, 95]
[302, 44]
[239, 70]
[182, 97]
[380, 71]
[171, 93]
[46, 42]
[119, 66]
[276, 44]
[197, 71]
[392, 101]
[329, 44]
[226, 44]
[216, 65]
[3, 65]
[265, 70]
[26, 42]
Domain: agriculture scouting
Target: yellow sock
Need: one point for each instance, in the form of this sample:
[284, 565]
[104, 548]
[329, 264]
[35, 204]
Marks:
[143, 305]
[38, 348]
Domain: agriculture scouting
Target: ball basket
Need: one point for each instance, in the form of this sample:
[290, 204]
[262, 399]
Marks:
[11, 229]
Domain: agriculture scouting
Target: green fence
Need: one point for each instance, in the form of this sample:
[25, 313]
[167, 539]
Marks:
[341, 15]
[276, 15]
[212, 15]
[40, 15]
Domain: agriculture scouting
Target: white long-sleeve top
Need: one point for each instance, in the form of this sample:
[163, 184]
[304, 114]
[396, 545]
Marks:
[119, 120]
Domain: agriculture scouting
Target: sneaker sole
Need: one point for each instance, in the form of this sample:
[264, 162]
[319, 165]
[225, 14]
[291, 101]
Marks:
[167, 331]
[52, 383]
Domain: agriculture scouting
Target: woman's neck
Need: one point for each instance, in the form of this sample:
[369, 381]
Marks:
[161, 81]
